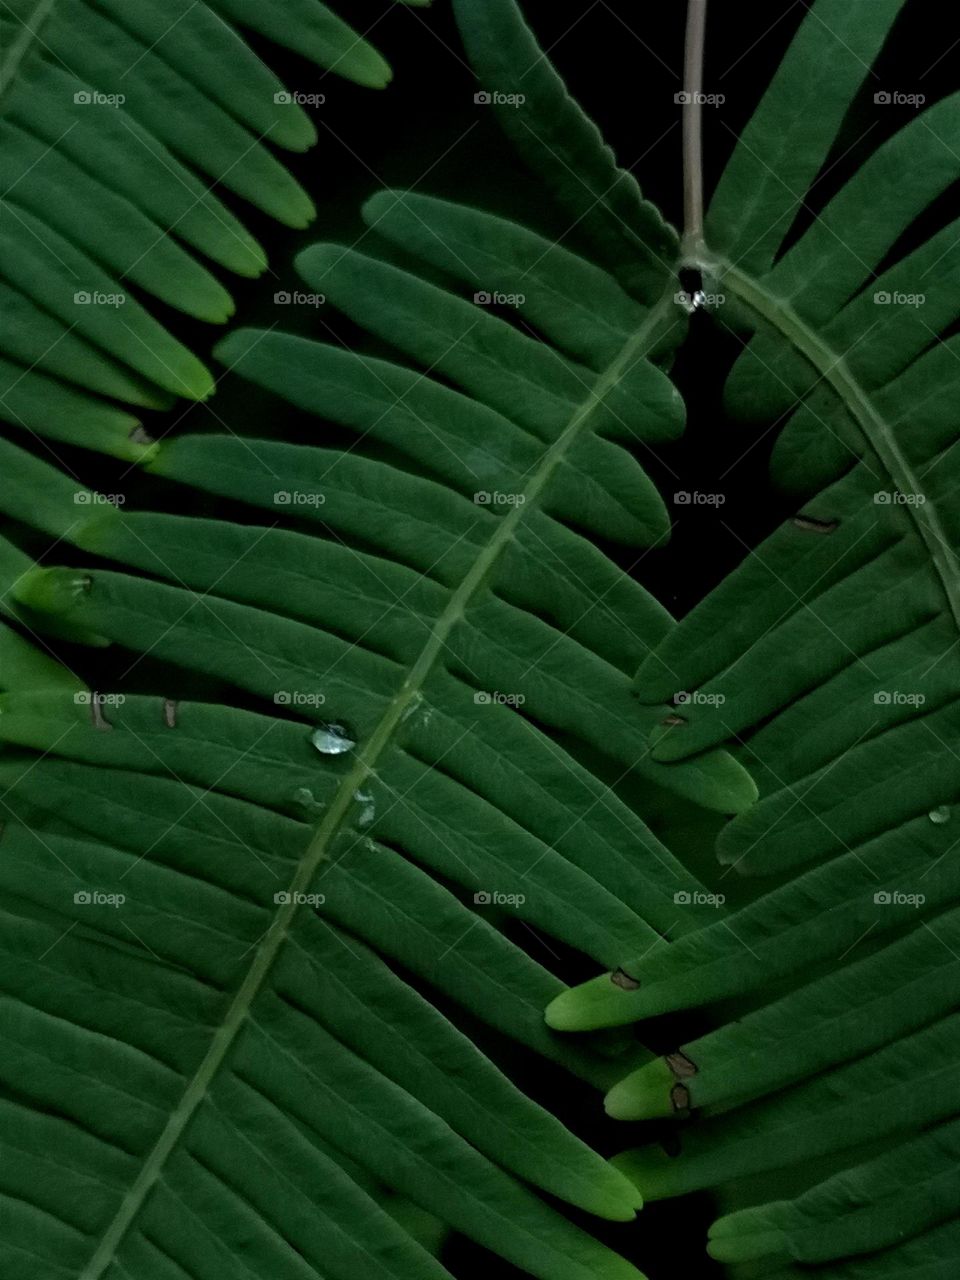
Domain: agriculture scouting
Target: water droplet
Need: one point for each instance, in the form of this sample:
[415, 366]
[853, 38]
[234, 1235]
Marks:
[305, 798]
[940, 815]
[412, 705]
[369, 810]
[332, 740]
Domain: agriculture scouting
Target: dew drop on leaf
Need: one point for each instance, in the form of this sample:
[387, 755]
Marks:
[305, 798]
[369, 810]
[940, 815]
[332, 740]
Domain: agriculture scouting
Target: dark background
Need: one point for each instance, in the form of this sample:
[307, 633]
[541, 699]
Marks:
[624, 62]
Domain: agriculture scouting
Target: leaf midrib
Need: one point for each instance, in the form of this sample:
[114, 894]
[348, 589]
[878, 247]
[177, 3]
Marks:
[876, 430]
[406, 698]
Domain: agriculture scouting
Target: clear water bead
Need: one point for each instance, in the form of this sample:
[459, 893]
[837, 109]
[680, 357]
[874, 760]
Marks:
[332, 740]
[305, 798]
[369, 810]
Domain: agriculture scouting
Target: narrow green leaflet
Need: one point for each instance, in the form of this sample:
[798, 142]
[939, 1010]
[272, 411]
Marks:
[564, 146]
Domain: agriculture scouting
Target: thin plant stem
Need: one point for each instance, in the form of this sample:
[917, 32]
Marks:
[693, 128]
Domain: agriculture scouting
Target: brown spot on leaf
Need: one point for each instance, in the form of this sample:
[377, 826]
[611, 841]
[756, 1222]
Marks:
[680, 1097]
[810, 524]
[620, 978]
[673, 720]
[681, 1066]
[96, 714]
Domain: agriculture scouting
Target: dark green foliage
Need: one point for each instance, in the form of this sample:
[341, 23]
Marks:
[274, 905]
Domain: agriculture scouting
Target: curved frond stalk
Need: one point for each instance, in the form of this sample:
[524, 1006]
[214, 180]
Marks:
[829, 658]
[696, 37]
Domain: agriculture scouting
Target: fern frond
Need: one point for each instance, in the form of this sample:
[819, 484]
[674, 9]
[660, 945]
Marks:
[829, 658]
[397, 616]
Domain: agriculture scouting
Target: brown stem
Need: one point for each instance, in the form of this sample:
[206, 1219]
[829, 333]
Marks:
[693, 128]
